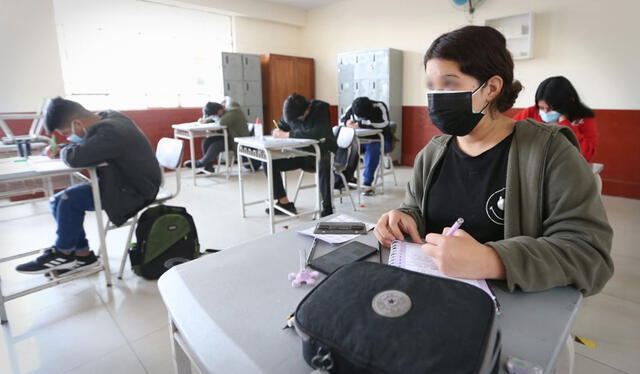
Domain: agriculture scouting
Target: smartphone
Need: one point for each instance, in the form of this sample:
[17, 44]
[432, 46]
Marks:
[346, 254]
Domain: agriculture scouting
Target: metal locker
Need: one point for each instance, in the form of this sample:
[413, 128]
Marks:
[251, 68]
[235, 90]
[362, 67]
[380, 64]
[253, 112]
[252, 93]
[231, 66]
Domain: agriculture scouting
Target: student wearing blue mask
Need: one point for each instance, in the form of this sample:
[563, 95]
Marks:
[128, 182]
[557, 101]
[532, 213]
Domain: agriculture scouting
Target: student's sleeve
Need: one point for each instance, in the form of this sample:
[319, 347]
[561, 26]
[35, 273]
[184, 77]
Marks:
[346, 116]
[381, 120]
[575, 245]
[587, 134]
[413, 195]
[283, 125]
[100, 147]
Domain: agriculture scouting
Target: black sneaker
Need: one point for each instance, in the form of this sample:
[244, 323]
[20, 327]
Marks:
[368, 190]
[82, 263]
[187, 164]
[288, 206]
[50, 260]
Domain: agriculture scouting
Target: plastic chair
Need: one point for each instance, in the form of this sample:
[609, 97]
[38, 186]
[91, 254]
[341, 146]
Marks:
[387, 159]
[344, 138]
[169, 155]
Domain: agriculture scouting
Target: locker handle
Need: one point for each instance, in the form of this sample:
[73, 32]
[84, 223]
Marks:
[340, 86]
[356, 85]
[246, 61]
[226, 59]
[228, 87]
[374, 85]
[247, 86]
[248, 112]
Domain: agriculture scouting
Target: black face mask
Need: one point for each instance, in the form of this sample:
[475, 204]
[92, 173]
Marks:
[452, 112]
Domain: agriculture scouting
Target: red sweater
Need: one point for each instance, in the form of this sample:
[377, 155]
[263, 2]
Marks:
[585, 129]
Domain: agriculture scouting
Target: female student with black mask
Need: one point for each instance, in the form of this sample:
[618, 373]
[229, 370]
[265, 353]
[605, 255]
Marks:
[533, 215]
[558, 102]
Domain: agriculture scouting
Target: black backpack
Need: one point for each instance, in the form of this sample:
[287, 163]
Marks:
[166, 236]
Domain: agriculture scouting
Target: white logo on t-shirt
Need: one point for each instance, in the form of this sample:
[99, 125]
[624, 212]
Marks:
[495, 207]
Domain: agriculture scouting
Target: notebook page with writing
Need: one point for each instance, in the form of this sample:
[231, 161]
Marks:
[409, 256]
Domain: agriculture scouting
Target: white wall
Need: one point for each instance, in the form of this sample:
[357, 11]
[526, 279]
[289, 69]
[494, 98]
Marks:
[251, 35]
[593, 45]
[29, 63]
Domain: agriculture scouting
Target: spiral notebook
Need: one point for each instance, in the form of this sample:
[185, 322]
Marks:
[409, 256]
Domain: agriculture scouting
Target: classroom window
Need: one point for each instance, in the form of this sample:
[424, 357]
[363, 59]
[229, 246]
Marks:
[128, 54]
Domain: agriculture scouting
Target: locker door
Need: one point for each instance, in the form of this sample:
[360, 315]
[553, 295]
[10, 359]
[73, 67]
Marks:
[252, 93]
[382, 88]
[362, 67]
[253, 112]
[380, 64]
[361, 88]
[251, 68]
[231, 66]
[234, 89]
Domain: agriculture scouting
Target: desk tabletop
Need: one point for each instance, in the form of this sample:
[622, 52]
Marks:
[269, 142]
[230, 308]
[19, 116]
[191, 126]
[367, 132]
[13, 168]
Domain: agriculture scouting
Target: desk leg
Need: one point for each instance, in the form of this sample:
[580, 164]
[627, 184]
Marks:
[242, 210]
[272, 228]
[3, 311]
[181, 361]
[317, 179]
[359, 173]
[226, 154]
[381, 164]
[97, 203]
[192, 148]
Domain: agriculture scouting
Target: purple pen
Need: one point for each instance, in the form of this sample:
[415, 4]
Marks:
[456, 225]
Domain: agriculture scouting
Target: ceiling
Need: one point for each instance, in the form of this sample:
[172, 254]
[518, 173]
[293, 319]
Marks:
[304, 4]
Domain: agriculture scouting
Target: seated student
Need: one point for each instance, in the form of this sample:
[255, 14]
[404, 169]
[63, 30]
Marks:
[229, 115]
[558, 102]
[128, 182]
[533, 215]
[307, 120]
[367, 114]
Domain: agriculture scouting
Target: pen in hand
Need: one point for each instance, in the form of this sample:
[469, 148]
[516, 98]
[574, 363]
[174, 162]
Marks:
[456, 225]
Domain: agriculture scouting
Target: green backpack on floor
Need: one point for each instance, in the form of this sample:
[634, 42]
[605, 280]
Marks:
[166, 236]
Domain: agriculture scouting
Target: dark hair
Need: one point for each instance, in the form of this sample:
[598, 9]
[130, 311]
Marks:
[481, 52]
[559, 93]
[294, 106]
[362, 107]
[60, 112]
[211, 109]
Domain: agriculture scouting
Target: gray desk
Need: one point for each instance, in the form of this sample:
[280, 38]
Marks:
[227, 310]
[40, 167]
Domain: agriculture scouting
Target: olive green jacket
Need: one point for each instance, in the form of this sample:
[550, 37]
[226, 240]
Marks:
[556, 230]
[236, 124]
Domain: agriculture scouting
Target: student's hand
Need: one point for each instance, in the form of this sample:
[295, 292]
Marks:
[562, 118]
[200, 120]
[393, 225]
[461, 256]
[277, 133]
[353, 124]
[49, 152]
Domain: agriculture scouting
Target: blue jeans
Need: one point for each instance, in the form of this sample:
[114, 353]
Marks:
[68, 209]
[372, 159]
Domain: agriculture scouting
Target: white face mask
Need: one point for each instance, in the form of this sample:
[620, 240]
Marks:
[550, 116]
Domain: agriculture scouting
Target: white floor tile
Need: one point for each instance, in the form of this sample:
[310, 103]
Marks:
[614, 325]
[625, 283]
[59, 338]
[585, 365]
[154, 351]
[122, 360]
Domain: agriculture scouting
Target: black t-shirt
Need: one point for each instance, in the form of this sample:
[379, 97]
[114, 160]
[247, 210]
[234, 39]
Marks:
[472, 188]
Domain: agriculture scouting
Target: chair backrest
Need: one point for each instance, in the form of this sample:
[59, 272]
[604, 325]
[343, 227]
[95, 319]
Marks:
[344, 136]
[169, 153]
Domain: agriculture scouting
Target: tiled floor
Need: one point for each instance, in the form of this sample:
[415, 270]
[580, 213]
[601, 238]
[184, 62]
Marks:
[85, 327]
